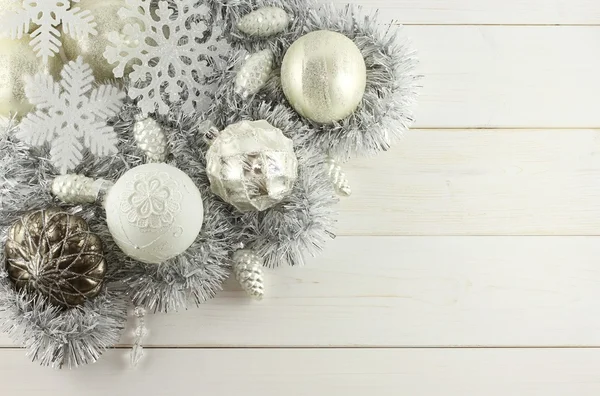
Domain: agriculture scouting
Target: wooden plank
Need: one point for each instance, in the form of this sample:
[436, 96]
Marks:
[508, 76]
[352, 372]
[406, 291]
[474, 182]
[496, 12]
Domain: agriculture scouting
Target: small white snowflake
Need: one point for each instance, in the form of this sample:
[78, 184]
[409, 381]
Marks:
[70, 115]
[175, 48]
[46, 16]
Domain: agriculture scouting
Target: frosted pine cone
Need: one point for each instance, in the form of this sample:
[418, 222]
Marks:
[151, 139]
[247, 268]
[77, 189]
[338, 177]
[254, 73]
[264, 22]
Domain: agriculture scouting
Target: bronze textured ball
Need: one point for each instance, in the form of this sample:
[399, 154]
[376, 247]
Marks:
[54, 253]
[324, 76]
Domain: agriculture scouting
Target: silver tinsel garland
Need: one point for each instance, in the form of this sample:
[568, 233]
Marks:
[392, 82]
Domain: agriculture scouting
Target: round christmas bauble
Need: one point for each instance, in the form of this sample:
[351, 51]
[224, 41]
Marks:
[252, 165]
[92, 48]
[17, 59]
[154, 212]
[324, 76]
[54, 253]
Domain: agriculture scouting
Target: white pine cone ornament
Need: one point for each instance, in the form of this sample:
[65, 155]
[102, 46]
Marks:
[248, 270]
[77, 189]
[264, 22]
[338, 177]
[151, 139]
[254, 73]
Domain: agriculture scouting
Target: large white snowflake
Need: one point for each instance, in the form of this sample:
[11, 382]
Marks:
[175, 49]
[18, 16]
[70, 115]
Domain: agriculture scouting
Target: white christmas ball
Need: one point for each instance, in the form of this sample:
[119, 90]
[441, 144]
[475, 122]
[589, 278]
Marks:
[154, 212]
[324, 76]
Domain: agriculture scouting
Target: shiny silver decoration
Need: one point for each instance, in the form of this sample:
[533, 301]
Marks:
[252, 165]
[264, 22]
[324, 76]
[54, 253]
[150, 138]
[248, 271]
[254, 73]
[338, 177]
[77, 189]
[140, 332]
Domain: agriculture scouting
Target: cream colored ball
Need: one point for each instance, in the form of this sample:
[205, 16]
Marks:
[92, 48]
[324, 76]
[154, 212]
[17, 59]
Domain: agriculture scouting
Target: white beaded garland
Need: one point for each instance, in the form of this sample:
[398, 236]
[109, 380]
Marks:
[154, 212]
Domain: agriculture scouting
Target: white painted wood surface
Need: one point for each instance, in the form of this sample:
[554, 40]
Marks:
[486, 12]
[412, 299]
[304, 372]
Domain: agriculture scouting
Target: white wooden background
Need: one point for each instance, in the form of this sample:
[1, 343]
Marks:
[469, 255]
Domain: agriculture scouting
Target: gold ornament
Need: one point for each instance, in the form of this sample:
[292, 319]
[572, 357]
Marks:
[252, 165]
[248, 271]
[324, 76]
[92, 48]
[55, 254]
[17, 60]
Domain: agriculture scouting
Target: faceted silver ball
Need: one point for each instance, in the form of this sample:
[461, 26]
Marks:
[252, 165]
[324, 76]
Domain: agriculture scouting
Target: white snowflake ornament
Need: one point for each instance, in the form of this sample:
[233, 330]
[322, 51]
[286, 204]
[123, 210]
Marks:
[70, 115]
[175, 48]
[45, 15]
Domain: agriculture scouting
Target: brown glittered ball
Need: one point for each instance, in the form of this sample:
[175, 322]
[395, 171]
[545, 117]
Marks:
[55, 254]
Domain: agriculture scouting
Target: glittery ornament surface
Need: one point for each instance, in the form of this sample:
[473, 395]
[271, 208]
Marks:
[254, 73]
[323, 76]
[338, 177]
[92, 48]
[252, 165]
[18, 60]
[264, 22]
[54, 253]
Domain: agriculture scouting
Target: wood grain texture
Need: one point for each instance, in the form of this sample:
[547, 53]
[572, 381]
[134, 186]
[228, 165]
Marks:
[508, 76]
[504, 12]
[409, 291]
[268, 372]
[478, 182]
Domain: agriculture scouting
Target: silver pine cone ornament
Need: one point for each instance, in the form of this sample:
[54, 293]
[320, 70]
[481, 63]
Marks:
[248, 270]
[78, 189]
[337, 177]
[151, 139]
[264, 22]
[55, 254]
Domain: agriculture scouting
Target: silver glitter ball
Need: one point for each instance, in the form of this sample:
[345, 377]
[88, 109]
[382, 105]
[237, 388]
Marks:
[252, 165]
[324, 76]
